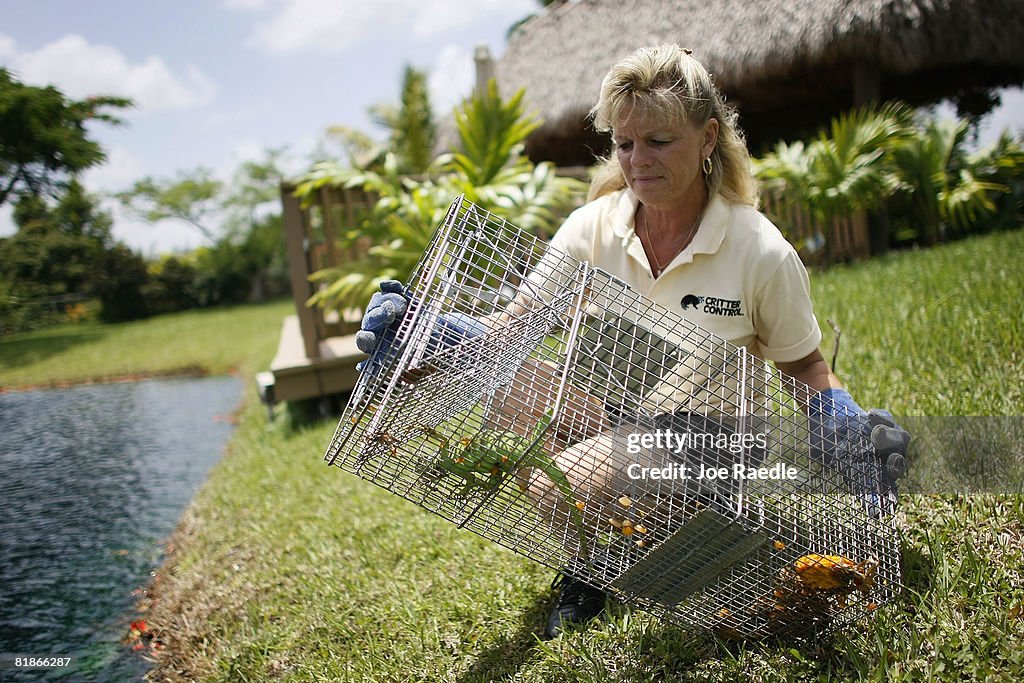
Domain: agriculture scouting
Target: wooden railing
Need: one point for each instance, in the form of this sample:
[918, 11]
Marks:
[311, 238]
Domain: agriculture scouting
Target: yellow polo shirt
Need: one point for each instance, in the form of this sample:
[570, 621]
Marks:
[739, 278]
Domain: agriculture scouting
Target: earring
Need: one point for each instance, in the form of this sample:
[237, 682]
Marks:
[707, 166]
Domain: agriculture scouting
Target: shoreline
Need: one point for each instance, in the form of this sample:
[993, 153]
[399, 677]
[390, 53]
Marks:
[184, 371]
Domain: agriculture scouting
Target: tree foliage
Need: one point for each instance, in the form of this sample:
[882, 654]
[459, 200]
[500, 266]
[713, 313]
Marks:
[256, 184]
[54, 248]
[944, 194]
[118, 284]
[412, 131]
[254, 226]
[62, 254]
[1002, 163]
[490, 169]
[191, 197]
[44, 140]
[846, 168]
[918, 168]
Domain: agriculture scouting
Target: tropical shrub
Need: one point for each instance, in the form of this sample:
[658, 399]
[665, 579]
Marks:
[944, 196]
[412, 131]
[846, 168]
[1002, 163]
[917, 169]
[490, 169]
[121, 275]
[171, 285]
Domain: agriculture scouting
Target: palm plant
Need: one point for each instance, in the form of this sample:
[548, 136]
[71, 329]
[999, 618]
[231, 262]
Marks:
[490, 170]
[411, 126]
[945, 194]
[1002, 163]
[844, 169]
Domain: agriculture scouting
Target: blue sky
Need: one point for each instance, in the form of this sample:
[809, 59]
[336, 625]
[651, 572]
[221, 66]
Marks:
[218, 81]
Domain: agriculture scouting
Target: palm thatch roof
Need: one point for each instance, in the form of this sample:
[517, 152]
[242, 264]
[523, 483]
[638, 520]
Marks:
[787, 65]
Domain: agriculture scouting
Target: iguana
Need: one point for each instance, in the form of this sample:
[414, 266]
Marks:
[483, 461]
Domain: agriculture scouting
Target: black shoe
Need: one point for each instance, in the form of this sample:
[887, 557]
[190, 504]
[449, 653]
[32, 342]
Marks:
[578, 603]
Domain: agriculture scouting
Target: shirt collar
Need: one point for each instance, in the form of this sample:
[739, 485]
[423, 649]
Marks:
[710, 234]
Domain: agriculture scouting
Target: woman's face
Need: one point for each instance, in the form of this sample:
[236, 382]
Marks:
[662, 161]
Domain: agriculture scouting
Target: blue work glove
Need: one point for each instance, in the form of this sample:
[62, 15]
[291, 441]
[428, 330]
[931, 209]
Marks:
[837, 423]
[385, 307]
[384, 314]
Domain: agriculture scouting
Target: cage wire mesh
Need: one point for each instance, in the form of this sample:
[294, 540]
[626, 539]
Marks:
[585, 427]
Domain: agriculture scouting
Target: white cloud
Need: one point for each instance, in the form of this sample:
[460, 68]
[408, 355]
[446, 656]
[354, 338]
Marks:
[332, 26]
[236, 117]
[247, 150]
[7, 47]
[81, 69]
[122, 168]
[450, 79]
[429, 18]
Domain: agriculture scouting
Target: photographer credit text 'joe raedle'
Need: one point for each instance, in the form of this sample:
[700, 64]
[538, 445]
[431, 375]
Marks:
[734, 443]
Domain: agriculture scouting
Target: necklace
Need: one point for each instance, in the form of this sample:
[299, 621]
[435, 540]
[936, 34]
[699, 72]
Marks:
[658, 268]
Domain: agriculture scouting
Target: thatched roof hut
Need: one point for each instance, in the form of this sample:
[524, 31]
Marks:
[787, 65]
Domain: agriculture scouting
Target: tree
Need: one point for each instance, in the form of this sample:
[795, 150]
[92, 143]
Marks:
[43, 137]
[844, 169]
[358, 150]
[170, 285]
[491, 170]
[55, 249]
[944, 192]
[253, 204]
[256, 186]
[59, 254]
[241, 219]
[411, 125]
[191, 197]
[119, 283]
[78, 213]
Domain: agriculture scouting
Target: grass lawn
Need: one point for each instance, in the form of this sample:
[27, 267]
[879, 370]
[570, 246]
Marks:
[212, 341]
[935, 332]
[284, 569]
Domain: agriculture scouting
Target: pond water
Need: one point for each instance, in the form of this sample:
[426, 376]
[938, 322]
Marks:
[93, 481]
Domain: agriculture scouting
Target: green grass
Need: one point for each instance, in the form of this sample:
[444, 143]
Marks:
[936, 332]
[211, 341]
[289, 570]
[284, 569]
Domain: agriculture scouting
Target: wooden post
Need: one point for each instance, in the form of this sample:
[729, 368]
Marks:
[330, 236]
[296, 239]
[484, 69]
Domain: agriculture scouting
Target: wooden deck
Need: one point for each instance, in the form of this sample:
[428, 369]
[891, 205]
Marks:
[294, 376]
[316, 353]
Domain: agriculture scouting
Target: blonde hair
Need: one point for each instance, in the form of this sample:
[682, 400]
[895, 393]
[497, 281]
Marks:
[670, 84]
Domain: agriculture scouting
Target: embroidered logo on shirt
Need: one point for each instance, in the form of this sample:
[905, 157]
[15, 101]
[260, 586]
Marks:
[712, 305]
[691, 300]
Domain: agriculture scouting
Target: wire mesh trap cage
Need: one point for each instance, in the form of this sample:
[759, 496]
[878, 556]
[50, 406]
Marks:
[543, 404]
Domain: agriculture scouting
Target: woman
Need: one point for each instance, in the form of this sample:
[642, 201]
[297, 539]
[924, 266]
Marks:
[673, 213]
